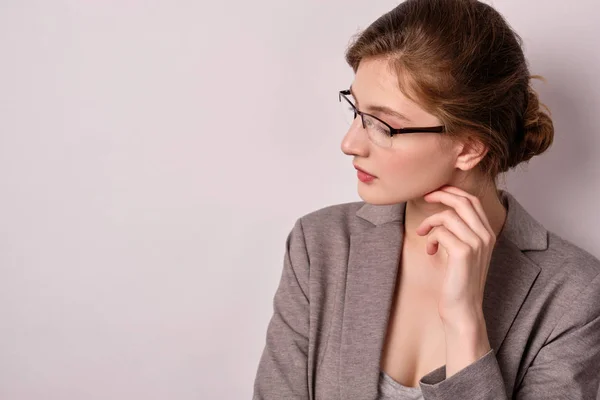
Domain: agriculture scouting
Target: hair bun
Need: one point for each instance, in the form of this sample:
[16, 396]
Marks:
[538, 129]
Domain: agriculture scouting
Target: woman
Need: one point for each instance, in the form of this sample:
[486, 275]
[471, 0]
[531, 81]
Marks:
[437, 285]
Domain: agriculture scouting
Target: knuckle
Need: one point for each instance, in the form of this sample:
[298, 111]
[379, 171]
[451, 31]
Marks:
[464, 251]
[464, 201]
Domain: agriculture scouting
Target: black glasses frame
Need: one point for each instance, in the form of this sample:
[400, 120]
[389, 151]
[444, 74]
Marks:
[393, 131]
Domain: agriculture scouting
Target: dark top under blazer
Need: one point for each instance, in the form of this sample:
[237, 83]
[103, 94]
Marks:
[331, 308]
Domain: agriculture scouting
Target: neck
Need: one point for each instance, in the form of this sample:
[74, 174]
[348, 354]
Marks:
[418, 209]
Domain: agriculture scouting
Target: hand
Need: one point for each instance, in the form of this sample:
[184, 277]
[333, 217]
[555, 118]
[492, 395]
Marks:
[468, 239]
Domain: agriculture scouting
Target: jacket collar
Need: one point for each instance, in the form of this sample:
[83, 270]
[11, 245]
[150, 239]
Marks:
[373, 262]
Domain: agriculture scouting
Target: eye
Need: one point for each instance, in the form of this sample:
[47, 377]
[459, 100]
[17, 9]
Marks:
[377, 126]
[382, 129]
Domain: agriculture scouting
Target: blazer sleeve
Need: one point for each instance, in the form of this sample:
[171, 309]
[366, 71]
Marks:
[282, 369]
[566, 367]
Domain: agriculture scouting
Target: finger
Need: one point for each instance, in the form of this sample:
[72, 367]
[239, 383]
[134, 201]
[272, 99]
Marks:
[464, 208]
[451, 221]
[457, 250]
[461, 247]
[453, 245]
[474, 201]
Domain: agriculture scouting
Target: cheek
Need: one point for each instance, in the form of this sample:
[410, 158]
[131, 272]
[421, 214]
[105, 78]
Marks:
[423, 161]
[407, 172]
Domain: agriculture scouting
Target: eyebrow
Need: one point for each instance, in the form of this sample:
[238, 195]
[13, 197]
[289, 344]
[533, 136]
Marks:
[382, 109]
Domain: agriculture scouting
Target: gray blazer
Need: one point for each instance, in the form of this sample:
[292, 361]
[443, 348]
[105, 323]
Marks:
[331, 309]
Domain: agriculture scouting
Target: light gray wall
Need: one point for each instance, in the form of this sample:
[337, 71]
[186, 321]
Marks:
[154, 155]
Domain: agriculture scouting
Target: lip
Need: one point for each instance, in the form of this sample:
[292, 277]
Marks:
[362, 170]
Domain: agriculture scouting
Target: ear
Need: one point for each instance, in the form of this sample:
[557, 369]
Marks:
[470, 153]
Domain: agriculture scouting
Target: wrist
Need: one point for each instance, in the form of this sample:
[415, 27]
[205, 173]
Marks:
[463, 320]
[465, 346]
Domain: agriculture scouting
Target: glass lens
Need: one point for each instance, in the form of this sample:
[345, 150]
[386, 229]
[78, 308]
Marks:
[346, 109]
[378, 132]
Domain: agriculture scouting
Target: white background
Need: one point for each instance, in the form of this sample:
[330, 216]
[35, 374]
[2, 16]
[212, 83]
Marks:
[154, 156]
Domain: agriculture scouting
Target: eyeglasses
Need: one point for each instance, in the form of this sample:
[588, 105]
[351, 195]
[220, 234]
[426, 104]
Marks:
[378, 131]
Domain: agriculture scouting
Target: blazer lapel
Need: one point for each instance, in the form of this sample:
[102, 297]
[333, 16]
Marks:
[370, 282]
[373, 263]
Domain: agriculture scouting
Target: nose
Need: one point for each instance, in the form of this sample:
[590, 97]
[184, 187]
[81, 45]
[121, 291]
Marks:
[356, 141]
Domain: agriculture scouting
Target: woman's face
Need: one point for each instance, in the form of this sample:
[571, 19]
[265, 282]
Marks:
[416, 163]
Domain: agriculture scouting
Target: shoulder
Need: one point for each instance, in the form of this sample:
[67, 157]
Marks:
[334, 219]
[566, 270]
[576, 262]
[327, 230]
[570, 274]
[334, 215]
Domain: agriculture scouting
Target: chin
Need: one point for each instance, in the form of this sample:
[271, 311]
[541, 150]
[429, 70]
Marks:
[373, 196]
